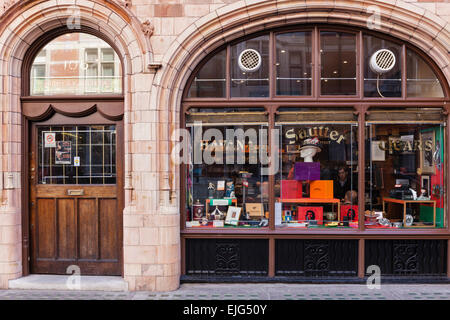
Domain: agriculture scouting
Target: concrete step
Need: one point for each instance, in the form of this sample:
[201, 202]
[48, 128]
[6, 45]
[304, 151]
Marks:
[62, 282]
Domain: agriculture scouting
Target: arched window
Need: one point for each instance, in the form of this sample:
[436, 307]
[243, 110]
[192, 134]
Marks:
[303, 88]
[76, 64]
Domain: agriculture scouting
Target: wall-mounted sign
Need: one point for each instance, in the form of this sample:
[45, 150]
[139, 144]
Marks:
[76, 161]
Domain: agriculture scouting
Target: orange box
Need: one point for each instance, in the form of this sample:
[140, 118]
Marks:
[321, 189]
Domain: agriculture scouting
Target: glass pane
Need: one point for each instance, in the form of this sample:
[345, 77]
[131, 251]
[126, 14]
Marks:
[405, 175]
[317, 186]
[249, 82]
[388, 84]
[210, 80]
[227, 187]
[420, 78]
[338, 63]
[70, 64]
[77, 155]
[293, 63]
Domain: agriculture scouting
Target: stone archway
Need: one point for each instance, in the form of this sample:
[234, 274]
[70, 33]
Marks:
[22, 24]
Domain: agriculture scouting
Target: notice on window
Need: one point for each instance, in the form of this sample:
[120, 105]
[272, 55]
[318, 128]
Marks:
[50, 139]
[63, 152]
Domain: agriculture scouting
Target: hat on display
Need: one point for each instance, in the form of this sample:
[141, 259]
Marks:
[311, 142]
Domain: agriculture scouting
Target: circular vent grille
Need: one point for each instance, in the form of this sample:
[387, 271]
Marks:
[382, 61]
[249, 60]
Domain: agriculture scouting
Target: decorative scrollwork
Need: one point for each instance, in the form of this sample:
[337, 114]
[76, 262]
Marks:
[405, 258]
[316, 257]
[227, 257]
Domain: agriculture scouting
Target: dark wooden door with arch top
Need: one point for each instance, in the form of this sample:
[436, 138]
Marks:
[75, 205]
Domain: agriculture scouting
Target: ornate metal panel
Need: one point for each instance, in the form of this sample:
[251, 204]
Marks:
[316, 258]
[407, 257]
[227, 257]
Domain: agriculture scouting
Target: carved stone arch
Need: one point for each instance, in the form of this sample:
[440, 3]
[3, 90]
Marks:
[399, 19]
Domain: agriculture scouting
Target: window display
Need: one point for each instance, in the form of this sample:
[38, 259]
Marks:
[405, 174]
[226, 186]
[317, 183]
[312, 85]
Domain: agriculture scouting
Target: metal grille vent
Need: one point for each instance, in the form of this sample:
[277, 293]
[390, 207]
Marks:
[382, 61]
[249, 60]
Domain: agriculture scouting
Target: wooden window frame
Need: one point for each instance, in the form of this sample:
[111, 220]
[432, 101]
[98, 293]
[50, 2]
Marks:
[360, 105]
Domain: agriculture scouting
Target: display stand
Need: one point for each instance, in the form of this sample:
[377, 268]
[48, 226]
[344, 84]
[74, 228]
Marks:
[219, 202]
[312, 200]
[405, 202]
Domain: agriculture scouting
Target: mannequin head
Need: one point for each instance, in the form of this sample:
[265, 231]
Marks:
[309, 149]
[308, 153]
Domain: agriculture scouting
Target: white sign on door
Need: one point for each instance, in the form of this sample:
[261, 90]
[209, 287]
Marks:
[50, 139]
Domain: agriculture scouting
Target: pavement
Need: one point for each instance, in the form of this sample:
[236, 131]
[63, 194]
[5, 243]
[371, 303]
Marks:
[254, 291]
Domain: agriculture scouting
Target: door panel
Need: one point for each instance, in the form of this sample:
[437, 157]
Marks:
[75, 209]
[88, 219]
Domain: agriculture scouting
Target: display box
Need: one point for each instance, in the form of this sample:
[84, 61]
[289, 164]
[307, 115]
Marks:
[321, 189]
[310, 213]
[307, 171]
[255, 209]
[291, 189]
[350, 211]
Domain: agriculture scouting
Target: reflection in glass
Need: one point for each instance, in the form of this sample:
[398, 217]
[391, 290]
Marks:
[389, 83]
[210, 81]
[405, 175]
[420, 78]
[250, 83]
[338, 63]
[76, 64]
[293, 63]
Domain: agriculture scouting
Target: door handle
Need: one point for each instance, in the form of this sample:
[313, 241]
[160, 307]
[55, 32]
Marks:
[75, 192]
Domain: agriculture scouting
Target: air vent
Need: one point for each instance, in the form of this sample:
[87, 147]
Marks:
[382, 61]
[249, 60]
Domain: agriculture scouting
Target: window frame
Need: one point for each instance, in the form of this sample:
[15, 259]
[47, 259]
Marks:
[361, 106]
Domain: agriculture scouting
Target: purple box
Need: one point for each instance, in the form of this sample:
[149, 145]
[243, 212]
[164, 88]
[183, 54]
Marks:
[307, 171]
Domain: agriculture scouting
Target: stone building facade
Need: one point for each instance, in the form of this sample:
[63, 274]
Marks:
[161, 42]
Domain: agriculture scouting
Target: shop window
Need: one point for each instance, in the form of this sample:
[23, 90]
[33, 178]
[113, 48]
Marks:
[210, 80]
[317, 186]
[379, 83]
[76, 64]
[226, 186]
[293, 63]
[250, 68]
[405, 169]
[421, 81]
[338, 63]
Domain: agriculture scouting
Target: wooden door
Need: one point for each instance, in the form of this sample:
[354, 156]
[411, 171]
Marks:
[75, 198]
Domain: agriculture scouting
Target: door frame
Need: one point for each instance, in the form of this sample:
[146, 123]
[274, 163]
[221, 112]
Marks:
[91, 109]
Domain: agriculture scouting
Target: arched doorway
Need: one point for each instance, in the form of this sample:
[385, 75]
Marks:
[72, 103]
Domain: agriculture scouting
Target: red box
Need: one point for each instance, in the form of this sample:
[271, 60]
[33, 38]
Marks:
[291, 189]
[350, 210]
[321, 189]
[310, 213]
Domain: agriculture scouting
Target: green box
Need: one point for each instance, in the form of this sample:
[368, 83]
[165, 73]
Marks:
[426, 215]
